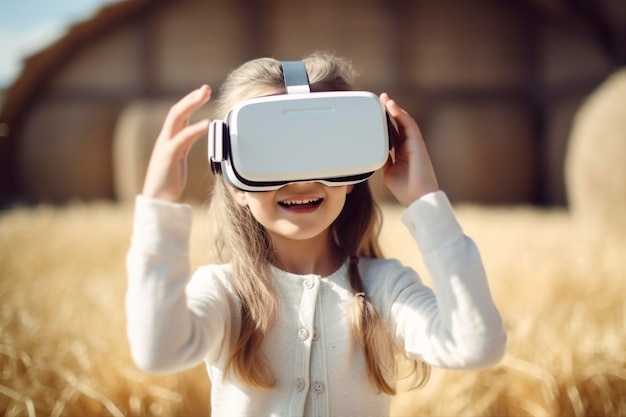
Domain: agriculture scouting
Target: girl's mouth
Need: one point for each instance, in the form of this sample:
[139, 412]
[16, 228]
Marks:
[304, 204]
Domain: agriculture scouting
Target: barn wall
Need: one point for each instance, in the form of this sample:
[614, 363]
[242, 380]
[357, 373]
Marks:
[493, 85]
[65, 151]
[194, 43]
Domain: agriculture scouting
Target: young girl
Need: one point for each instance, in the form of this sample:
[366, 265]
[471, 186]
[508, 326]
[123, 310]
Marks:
[300, 315]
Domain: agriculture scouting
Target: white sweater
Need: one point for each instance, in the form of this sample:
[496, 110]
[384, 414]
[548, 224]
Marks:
[174, 324]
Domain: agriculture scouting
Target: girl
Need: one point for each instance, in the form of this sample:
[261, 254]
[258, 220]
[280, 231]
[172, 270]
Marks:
[300, 315]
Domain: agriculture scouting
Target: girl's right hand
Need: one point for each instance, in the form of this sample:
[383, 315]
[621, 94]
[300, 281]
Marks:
[167, 170]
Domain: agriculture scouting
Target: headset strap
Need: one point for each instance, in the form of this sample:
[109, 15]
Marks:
[296, 78]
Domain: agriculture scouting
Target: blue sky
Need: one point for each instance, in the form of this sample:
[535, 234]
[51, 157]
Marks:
[27, 26]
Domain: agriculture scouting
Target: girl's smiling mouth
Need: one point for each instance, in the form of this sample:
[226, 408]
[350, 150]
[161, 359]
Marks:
[301, 204]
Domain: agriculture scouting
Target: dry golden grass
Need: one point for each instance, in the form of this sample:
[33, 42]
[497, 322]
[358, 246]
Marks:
[63, 348]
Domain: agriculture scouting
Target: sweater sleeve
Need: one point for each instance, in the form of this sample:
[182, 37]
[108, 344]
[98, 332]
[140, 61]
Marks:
[168, 328]
[457, 326]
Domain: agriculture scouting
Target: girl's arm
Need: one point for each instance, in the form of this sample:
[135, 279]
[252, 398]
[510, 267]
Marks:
[458, 325]
[167, 330]
[170, 328]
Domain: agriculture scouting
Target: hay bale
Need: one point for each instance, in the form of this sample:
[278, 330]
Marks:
[595, 170]
[136, 130]
[559, 117]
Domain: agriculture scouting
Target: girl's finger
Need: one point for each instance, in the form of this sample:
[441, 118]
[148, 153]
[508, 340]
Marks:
[189, 134]
[178, 116]
[396, 111]
[406, 123]
[384, 98]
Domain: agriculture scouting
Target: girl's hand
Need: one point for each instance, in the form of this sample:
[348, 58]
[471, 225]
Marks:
[167, 170]
[411, 176]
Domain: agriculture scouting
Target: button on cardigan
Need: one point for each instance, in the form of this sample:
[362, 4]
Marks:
[175, 323]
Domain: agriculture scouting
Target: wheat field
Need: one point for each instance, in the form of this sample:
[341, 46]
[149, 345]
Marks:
[63, 348]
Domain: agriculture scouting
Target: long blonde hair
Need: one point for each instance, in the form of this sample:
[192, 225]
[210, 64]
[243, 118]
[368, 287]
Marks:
[243, 242]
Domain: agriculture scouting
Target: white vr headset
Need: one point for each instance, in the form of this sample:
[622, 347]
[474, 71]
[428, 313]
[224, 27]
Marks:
[335, 138]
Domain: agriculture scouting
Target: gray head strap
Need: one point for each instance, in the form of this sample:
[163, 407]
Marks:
[296, 78]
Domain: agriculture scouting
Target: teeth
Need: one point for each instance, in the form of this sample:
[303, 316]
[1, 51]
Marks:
[300, 202]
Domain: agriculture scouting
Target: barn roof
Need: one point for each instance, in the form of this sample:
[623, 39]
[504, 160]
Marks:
[36, 68]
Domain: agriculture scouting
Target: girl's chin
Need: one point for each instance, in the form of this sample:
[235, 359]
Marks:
[296, 232]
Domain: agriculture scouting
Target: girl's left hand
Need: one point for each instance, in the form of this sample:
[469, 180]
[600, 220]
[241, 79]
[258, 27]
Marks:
[411, 176]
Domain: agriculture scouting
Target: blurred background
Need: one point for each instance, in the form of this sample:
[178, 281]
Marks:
[495, 85]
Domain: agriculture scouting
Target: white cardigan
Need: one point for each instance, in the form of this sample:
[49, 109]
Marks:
[174, 324]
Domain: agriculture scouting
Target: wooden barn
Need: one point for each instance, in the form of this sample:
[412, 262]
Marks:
[494, 85]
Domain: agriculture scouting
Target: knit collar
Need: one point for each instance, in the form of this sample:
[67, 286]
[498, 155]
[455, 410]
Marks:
[340, 272]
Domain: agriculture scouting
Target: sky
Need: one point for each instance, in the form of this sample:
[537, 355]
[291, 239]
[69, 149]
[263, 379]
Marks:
[27, 26]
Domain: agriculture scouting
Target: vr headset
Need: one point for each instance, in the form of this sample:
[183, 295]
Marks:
[335, 138]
